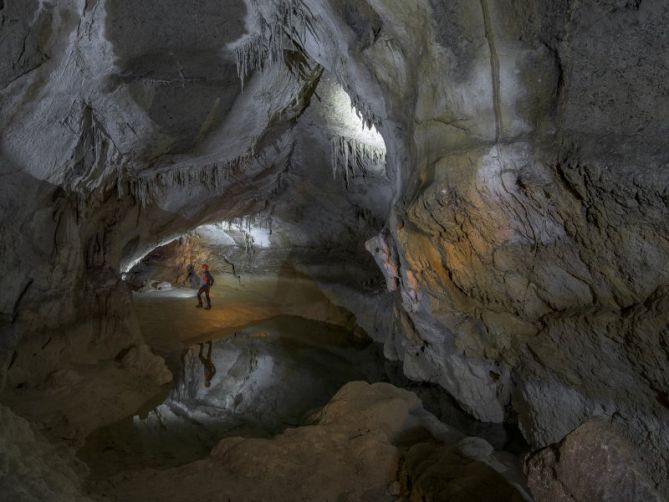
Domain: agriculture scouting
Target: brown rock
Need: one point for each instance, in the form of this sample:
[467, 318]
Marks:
[593, 463]
[437, 473]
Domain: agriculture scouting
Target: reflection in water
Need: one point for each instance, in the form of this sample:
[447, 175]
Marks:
[209, 368]
[256, 382]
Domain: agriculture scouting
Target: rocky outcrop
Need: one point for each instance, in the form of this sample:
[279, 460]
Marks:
[530, 232]
[32, 469]
[441, 473]
[349, 452]
[595, 462]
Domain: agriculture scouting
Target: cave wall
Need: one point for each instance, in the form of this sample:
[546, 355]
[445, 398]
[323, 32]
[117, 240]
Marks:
[526, 158]
[530, 235]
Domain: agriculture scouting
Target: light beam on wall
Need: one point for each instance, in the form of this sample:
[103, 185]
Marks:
[349, 119]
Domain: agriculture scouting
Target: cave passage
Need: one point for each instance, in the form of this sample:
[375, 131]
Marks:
[438, 232]
[280, 351]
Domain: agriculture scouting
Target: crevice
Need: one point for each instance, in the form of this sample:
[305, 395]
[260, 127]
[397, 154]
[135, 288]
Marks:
[494, 70]
[567, 184]
[15, 311]
[45, 344]
[123, 352]
[23, 49]
[13, 359]
[23, 74]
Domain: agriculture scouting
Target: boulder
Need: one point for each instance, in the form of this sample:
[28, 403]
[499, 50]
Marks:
[593, 463]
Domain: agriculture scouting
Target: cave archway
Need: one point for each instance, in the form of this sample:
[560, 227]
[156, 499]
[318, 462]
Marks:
[512, 226]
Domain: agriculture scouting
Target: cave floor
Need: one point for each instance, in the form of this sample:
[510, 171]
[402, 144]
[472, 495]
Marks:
[281, 351]
[169, 319]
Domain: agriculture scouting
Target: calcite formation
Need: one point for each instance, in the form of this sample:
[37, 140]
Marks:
[520, 196]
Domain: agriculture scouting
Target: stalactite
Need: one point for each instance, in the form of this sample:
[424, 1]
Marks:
[120, 192]
[249, 247]
[351, 157]
[362, 109]
[145, 188]
[290, 21]
[102, 167]
[94, 156]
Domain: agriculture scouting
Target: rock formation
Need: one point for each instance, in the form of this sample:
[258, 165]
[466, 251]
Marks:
[610, 472]
[31, 469]
[515, 197]
[350, 452]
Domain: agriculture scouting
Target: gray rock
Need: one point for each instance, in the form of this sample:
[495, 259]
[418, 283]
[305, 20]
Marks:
[522, 195]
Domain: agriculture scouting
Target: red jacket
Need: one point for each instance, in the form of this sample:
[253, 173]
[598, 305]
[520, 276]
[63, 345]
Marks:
[207, 279]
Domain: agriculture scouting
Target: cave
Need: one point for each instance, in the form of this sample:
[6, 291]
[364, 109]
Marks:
[334, 250]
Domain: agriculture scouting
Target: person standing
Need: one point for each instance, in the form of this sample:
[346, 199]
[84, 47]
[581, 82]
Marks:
[206, 282]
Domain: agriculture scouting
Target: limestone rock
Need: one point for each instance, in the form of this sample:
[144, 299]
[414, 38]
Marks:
[595, 462]
[140, 361]
[436, 473]
[349, 453]
[32, 469]
[522, 194]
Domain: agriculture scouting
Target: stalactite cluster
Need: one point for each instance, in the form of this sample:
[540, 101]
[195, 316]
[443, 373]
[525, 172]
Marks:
[362, 109]
[285, 29]
[351, 157]
[144, 188]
